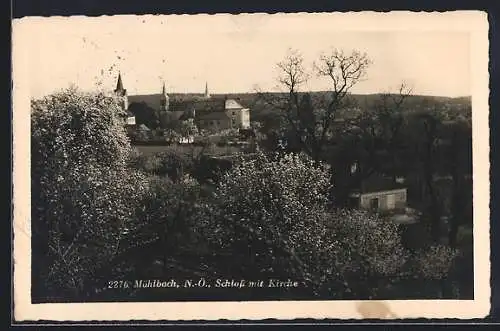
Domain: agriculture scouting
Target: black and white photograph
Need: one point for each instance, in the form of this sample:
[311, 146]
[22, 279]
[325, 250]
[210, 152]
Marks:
[252, 166]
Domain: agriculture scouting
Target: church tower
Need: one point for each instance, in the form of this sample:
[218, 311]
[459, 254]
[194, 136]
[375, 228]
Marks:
[121, 92]
[164, 102]
[207, 95]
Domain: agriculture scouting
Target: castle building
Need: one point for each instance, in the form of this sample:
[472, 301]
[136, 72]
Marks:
[212, 113]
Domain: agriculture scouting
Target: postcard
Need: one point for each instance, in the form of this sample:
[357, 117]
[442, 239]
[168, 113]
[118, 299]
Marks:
[251, 166]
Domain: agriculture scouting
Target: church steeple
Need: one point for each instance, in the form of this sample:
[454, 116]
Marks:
[119, 86]
[121, 92]
[207, 95]
[164, 102]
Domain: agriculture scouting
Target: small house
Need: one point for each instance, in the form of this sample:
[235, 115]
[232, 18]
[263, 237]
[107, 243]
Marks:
[379, 193]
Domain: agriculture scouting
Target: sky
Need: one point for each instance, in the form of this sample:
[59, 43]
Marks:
[238, 53]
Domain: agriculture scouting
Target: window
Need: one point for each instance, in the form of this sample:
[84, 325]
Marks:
[374, 203]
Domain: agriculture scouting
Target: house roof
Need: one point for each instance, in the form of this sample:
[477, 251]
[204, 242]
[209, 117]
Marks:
[219, 115]
[378, 183]
[179, 102]
[232, 104]
[183, 102]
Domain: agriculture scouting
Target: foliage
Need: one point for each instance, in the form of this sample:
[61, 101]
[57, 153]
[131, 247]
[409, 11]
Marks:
[435, 261]
[168, 208]
[102, 211]
[174, 164]
[367, 248]
[72, 127]
[269, 215]
[83, 194]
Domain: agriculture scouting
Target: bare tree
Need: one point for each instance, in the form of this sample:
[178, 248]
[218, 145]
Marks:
[293, 73]
[312, 120]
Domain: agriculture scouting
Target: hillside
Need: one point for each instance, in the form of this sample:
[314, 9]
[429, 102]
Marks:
[260, 108]
[362, 100]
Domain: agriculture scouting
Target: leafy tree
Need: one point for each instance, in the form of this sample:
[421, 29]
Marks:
[83, 195]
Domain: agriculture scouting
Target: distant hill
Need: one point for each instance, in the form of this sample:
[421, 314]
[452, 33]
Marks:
[259, 107]
[361, 99]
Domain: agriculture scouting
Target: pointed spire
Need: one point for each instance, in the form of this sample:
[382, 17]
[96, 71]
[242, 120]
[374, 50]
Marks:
[207, 95]
[119, 84]
[164, 90]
